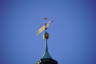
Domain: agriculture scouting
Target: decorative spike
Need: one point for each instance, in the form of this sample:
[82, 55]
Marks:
[46, 53]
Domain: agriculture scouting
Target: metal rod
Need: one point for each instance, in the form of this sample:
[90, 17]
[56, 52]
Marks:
[46, 46]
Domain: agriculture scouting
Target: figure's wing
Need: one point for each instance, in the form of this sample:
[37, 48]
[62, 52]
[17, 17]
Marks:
[44, 27]
[41, 29]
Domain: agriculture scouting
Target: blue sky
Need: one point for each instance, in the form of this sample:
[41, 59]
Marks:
[72, 35]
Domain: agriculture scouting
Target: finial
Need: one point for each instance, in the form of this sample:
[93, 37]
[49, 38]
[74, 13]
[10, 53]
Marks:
[46, 52]
[46, 36]
[46, 59]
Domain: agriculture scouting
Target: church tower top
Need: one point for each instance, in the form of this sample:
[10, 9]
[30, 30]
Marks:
[46, 59]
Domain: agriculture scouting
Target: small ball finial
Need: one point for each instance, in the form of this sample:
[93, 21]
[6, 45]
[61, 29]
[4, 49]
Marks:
[45, 36]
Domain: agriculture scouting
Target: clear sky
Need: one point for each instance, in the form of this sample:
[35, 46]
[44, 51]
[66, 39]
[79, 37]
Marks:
[72, 35]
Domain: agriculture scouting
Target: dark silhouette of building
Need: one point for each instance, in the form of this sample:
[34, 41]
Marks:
[46, 59]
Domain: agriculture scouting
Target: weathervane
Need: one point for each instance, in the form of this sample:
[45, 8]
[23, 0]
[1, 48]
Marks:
[45, 26]
[45, 36]
[46, 59]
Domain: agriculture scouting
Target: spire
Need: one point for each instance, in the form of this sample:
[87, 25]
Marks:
[45, 37]
[46, 59]
[46, 52]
